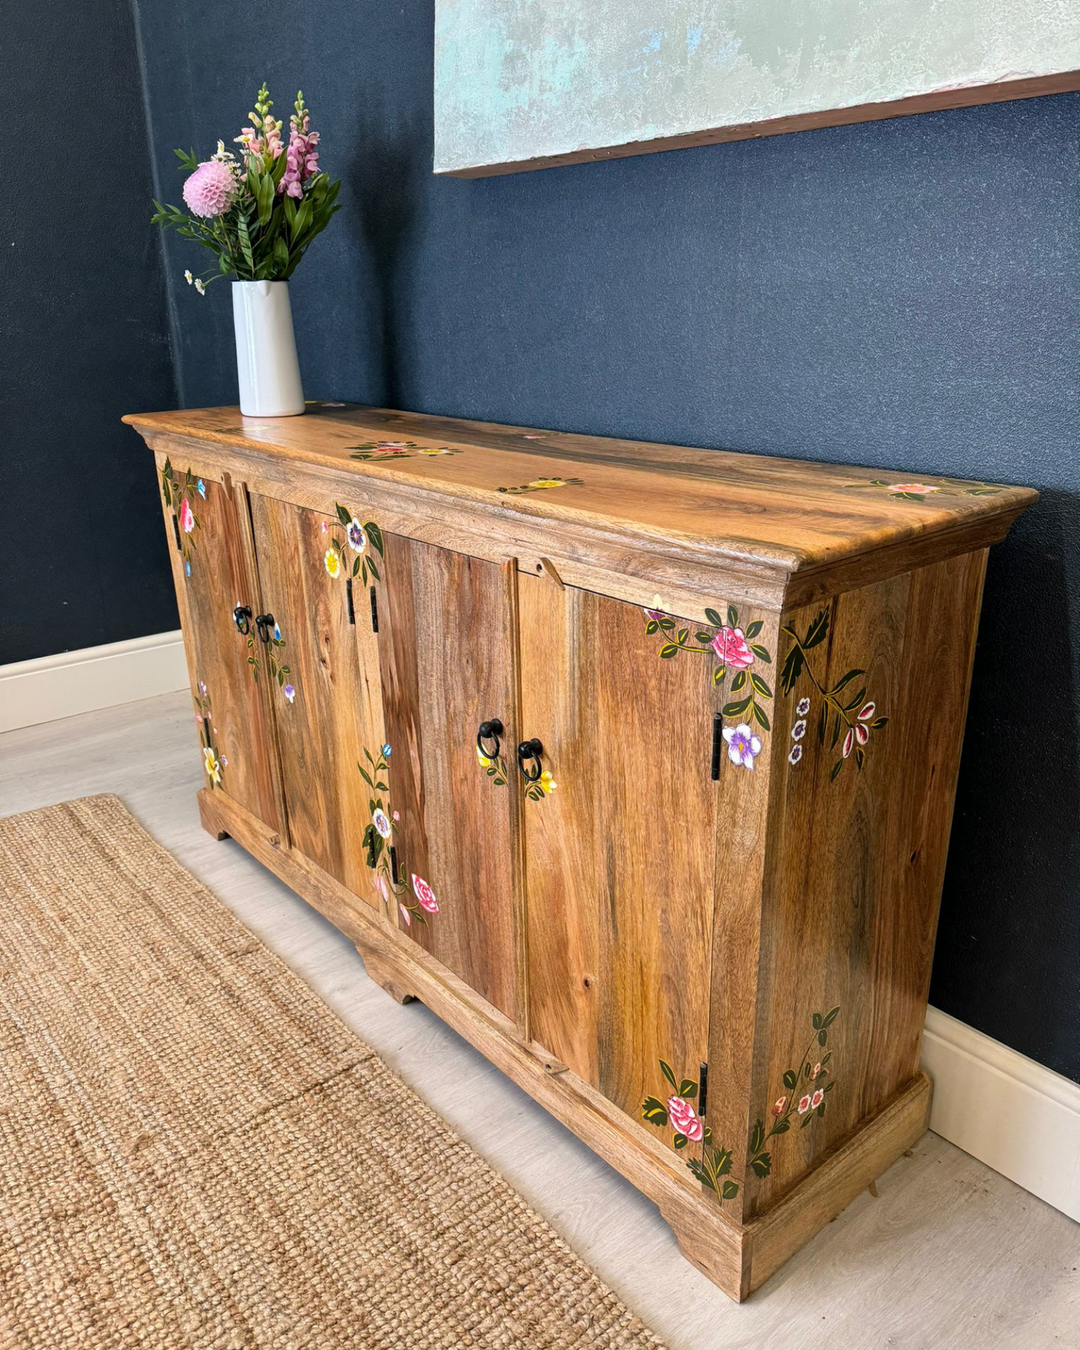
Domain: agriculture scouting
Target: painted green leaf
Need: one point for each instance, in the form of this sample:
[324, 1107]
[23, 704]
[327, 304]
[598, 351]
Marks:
[703, 637]
[817, 631]
[822, 1037]
[781, 1127]
[757, 1136]
[790, 1079]
[373, 569]
[753, 629]
[738, 706]
[878, 722]
[654, 1111]
[376, 536]
[858, 698]
[679, 1141]
[806, 1121]
[669, 1074]
[667, 624]
[721, 1161]
[760, 685]
[846, 679]
[761, 1165]
[688, 1088]
[760, 717]
[732, 616]
[835, 769]
[817, 1021]
[356, 567]
[823, 722]
[860, 758]
[651, 626]
[714, 618]
[730, 1191]
[342, 514]
[668, 650]
[682, 635]
[791, 669]
[718, 674]
[762, 653]
[699, 1172]
[738, 682]
[830, 1017]
[821, 1109]
[835, 732]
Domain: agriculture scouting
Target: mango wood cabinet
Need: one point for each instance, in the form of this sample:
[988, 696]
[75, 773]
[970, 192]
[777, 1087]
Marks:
[635, 762]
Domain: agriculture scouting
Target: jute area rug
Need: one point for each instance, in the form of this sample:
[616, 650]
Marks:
[195, 1152]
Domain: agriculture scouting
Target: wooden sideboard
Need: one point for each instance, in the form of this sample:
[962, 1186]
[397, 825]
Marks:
[634, 762]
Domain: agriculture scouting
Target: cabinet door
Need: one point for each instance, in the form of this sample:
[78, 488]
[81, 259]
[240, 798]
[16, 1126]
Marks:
[620, 848]
[213, 568]
[320, 662]
[445, 644]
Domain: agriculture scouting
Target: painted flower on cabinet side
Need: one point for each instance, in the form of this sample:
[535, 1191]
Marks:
[494, 766]
[390, 875]
[712, 1168]
[277, 670]
[377, 450]
[178, 490]
[732, 646]
[204, 720]
[852, 716]
[804, 1095]
[361, 563]
[541, 787]
[541, 484]
[947, 487]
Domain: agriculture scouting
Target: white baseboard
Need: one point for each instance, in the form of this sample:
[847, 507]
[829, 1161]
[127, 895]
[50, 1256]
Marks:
[1018, 1117]
[49, 687]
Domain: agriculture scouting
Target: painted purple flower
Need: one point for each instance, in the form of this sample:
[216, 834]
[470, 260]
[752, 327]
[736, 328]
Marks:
[381, 823]
[356, 536]
[796, 754]
[656, 612]
[289, 692]
[798, 731]
[743, 745]
[802, 707]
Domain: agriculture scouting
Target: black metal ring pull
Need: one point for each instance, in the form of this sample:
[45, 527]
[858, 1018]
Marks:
[530, 750]
[264, 623]
[489, 731]
[242, 618]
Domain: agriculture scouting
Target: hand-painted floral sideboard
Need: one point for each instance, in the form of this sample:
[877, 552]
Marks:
[634, 762]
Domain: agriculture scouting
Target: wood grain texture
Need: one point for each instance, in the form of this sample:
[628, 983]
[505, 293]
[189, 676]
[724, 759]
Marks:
[445, 645]
[222, 575]
[619, 857]
[336, 707]
[776, 515]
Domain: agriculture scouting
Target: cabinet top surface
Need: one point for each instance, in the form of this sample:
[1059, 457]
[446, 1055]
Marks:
[788, 512]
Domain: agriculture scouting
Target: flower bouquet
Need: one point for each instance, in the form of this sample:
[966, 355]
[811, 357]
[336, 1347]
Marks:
[258, 211]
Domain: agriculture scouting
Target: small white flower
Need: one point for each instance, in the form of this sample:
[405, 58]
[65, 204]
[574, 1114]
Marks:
[796, 754]
[188, 277]
[798, 731]
[199, 286]
[802, 707]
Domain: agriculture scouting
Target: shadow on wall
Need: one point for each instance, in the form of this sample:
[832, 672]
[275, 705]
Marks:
[382, 176]
[1011, 890]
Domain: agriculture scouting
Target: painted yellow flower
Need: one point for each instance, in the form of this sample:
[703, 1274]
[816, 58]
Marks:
[211, 764]
[548, 482]
[547, 782]
[433, 450]
[332, 561]
[483, 760]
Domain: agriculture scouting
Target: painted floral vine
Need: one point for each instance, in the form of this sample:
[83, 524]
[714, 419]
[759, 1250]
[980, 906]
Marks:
[181, 492]
[213, 763]
[851, 714]
[714, 1165]
[276, 669]
[805, 1091]
[353, 557]
[415, 899]
[734, 651]
[946, 487]
[379, 450]
[541, 484]
[494, 766]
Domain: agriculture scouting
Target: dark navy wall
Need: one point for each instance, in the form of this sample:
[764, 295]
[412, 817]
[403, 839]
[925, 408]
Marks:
[83, 337]
[902, 293]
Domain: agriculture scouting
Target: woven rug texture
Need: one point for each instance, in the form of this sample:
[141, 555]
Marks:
[196, 1153]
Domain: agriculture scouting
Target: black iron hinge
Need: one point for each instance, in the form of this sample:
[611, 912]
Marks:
[349, 600]
[374, 611]
[717, 744]
[176, 532]
[703, 1088]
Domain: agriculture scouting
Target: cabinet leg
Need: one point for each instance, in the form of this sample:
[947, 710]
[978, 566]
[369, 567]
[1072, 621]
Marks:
[720, 1251]
[208, 817]
[386, 977]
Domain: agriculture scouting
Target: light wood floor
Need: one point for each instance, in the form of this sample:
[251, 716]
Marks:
[949, 1255]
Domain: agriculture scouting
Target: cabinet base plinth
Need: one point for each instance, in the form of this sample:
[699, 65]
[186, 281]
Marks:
[208, 820]
[736, 1257]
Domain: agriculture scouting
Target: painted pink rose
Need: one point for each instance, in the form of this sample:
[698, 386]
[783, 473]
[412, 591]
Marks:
[804, 1104]
[919, 489]
[425, 894]
[187, 516]
[779, 1106]
[684, 1118]
[817, 1098]
[731, 647]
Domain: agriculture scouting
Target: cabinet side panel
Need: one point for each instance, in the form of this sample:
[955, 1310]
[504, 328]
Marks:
[326, 699]
[446, 662]
[876, 698]
[213, 570]
[619, 857]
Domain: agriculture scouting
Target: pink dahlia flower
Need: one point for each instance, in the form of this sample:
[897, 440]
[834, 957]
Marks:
[211, 189]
